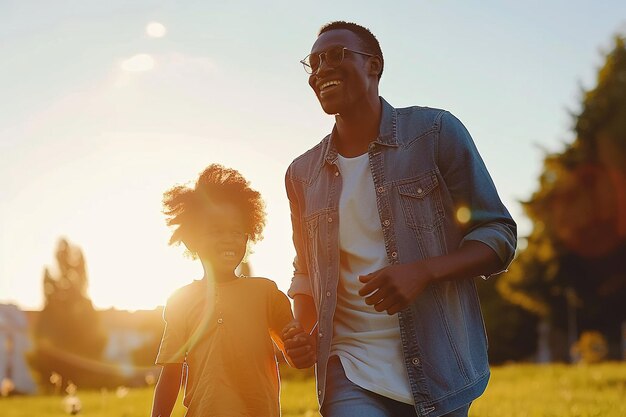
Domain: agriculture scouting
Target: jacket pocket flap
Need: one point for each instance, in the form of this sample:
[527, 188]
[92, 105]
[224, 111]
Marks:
[420, 187]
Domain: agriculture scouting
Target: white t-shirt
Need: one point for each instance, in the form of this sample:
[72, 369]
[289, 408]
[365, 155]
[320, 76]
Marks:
[367, 342]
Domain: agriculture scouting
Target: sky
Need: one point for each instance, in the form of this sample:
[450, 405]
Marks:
[106, 105]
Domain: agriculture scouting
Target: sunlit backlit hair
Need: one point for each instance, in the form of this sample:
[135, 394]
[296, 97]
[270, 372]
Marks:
[184, 207]
[369, 41]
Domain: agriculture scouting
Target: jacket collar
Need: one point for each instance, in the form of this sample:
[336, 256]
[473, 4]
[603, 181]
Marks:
[387, 134]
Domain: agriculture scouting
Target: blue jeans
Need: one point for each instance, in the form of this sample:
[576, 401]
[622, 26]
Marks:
[346, 399]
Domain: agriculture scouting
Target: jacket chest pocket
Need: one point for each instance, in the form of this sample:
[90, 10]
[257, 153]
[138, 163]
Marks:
[421, 202]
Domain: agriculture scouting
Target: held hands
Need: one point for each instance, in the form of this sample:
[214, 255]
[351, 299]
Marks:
[300, 349]
[394, 287]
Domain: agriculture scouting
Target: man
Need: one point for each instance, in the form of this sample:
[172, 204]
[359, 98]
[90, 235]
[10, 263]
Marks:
[393, 214]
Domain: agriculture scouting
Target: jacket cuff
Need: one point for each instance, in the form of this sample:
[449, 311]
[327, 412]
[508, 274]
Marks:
[501, 246]
[300, 284]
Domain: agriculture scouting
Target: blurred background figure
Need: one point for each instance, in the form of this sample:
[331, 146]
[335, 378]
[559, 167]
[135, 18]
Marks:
[14, 344]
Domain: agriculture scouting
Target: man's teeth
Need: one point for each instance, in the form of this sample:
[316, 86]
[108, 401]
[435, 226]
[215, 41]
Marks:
[329, 84]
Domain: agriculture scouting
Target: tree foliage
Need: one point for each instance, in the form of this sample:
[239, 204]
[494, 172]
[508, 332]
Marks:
[511, 330]
[68, 336]
[574, 259]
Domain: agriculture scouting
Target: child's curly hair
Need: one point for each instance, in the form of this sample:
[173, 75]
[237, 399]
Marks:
[183, 206]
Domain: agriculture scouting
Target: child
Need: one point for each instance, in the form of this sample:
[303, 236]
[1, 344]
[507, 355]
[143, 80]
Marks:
[219, 329]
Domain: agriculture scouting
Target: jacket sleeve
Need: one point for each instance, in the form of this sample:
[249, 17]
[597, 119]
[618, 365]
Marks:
[479, 210]
[300, 282]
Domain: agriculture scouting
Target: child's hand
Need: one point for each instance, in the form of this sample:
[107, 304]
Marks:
[299, 346]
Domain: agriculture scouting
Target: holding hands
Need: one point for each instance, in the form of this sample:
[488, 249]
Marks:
[300, 346]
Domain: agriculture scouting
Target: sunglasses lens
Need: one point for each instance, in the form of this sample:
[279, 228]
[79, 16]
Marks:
[307, 66]
[314, 62]
[334, 56]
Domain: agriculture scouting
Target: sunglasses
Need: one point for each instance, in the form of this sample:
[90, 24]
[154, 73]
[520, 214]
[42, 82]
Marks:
[333, 57]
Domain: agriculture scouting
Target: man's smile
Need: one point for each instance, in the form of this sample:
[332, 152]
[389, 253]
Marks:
[328, 84]
[327, 87]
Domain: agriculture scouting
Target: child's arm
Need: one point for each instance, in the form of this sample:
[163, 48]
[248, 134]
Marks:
[166, 390]
[297, 346]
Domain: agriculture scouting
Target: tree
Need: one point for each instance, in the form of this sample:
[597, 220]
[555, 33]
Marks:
[68, 336]
[511, 330]
[572, 273]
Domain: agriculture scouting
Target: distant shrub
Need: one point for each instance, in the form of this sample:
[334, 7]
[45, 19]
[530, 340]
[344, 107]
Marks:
[591, 347]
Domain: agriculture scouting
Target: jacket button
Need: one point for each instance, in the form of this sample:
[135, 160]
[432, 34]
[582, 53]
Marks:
[420, 191]
[327, 293]
[330, 220]
[415, 361]
[336, 173]
[220, 320]
[320, 335]
[394, 255]
[380, 190]
[386, 223]
[319, 392]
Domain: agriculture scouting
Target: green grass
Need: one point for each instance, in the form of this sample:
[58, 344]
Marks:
[554, 391]
[514, 391]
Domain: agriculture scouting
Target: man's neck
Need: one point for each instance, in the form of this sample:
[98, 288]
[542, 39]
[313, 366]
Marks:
[357, 129]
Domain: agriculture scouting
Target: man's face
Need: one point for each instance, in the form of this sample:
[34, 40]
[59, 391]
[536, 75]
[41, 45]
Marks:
[341, 88]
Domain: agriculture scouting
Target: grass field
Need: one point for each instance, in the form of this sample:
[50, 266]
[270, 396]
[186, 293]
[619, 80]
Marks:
[514, 391]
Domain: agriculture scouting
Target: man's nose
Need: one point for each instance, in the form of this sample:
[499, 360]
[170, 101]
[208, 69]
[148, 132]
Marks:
[322, 66]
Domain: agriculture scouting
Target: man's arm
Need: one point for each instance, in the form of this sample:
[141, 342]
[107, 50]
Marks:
[298, 336]
[299, 343]
[304, 311]
[489, 241]
[166, 390]
[471, 187]
[393, 288]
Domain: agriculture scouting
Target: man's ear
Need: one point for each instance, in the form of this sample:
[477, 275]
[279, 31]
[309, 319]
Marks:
[375, 65]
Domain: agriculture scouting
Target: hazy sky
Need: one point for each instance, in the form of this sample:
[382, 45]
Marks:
[99, 115]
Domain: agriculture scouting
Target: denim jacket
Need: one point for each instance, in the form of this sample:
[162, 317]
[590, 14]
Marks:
[433, 193]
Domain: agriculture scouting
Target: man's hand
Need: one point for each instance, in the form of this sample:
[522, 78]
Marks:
[394, 287]
[299, 346]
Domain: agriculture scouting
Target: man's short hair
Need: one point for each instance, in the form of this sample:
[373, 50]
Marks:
[370, 43]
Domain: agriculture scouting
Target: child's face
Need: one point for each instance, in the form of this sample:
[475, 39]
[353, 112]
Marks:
[222, 237]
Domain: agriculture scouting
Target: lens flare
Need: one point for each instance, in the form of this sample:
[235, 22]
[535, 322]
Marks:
[155, 30]
[463, 214]
[138, 63]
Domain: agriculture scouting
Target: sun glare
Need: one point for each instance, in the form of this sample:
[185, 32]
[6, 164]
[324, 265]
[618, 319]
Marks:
[463, 214]
[138, 63]
[155, 30]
